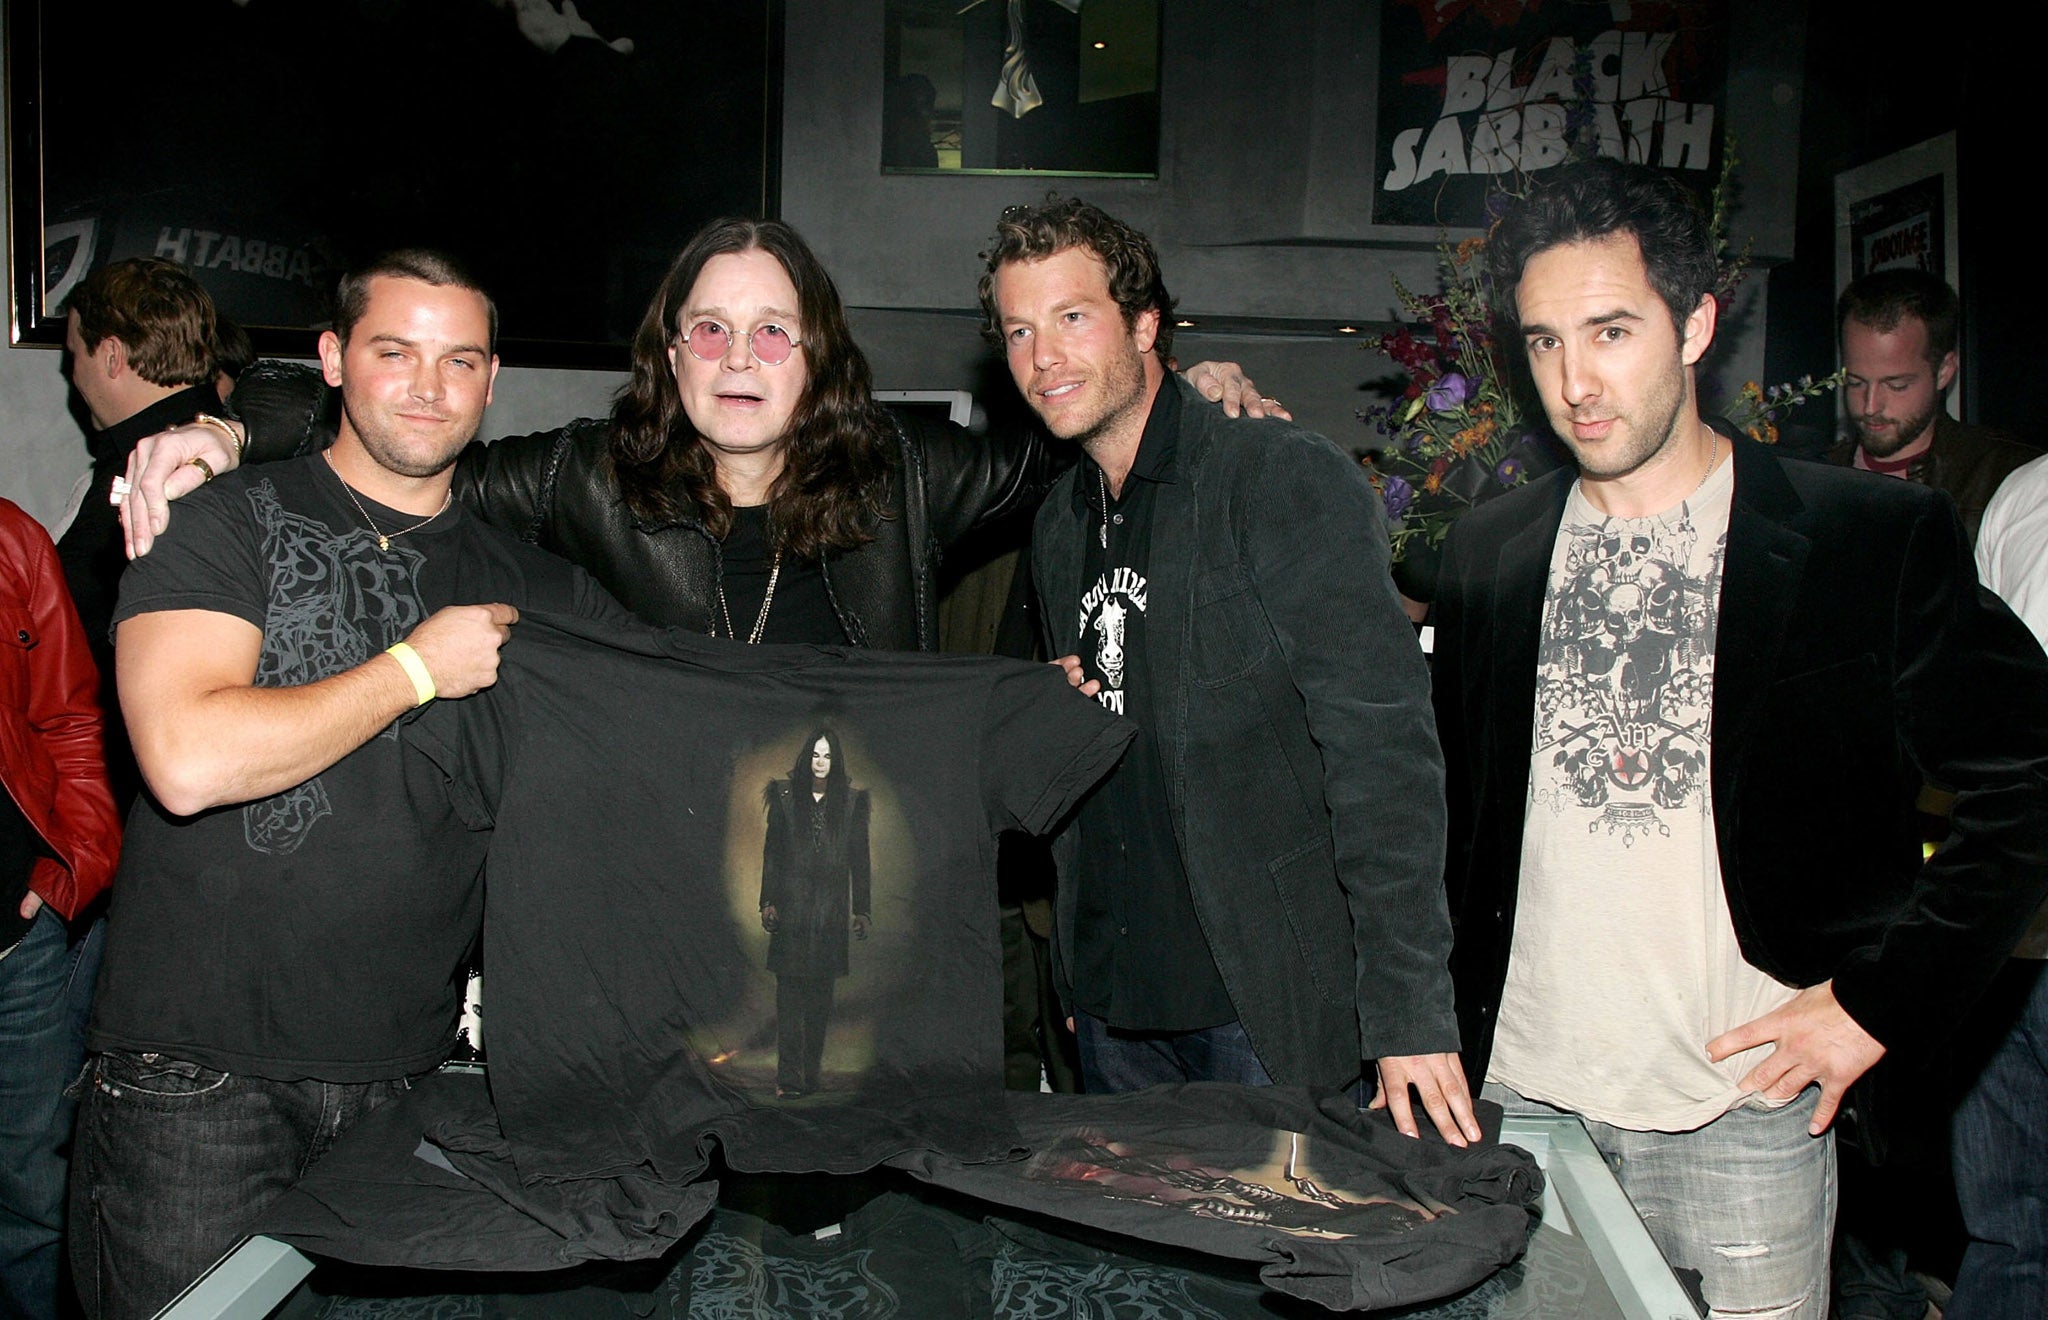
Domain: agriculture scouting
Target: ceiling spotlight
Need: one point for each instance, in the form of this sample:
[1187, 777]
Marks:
[1102, 45]
[1183, 324]
[1347, 329]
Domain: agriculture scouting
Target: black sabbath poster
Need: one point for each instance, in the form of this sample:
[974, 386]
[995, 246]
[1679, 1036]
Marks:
[1473, 90]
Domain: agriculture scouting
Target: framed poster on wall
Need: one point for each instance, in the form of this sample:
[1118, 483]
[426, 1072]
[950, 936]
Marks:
[1472, 96]
[1062, 87]
[564, 151]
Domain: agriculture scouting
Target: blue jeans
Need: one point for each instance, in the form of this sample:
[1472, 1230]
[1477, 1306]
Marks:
[1746, 1202]
[45, 995]
[174, 1161]
[2000, 1153]
[1115, 1060]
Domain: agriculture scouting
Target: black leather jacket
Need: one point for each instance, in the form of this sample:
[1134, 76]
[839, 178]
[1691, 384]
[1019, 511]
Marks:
[555, 488]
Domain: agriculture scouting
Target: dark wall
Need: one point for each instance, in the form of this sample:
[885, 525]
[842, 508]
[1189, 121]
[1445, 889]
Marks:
[1873, 87]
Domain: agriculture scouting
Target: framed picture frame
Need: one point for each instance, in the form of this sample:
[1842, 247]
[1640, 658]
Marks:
[564, 152]
[1033, 87]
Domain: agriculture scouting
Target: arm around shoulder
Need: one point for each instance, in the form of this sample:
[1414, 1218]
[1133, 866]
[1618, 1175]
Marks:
[511, 483]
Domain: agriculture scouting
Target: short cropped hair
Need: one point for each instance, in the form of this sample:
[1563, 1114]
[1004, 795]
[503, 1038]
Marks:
[352, 295]
[158, 312]
[1033, 233]
[1884, 297]
[1591, 200]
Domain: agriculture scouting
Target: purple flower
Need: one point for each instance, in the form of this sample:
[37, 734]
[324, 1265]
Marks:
[1450, 391]
[1398, 495]
[1510, 470]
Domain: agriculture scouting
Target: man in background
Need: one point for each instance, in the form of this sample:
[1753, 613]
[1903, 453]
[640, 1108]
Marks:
[1898, 341]
[139, 348]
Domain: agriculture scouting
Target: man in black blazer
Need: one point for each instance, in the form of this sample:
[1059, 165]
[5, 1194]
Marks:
[1252, 897]
[1687, 696]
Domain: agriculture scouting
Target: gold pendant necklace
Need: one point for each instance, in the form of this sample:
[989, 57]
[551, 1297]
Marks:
[384, 541]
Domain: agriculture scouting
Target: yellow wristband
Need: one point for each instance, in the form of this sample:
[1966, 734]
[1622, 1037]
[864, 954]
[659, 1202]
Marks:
[415, 669]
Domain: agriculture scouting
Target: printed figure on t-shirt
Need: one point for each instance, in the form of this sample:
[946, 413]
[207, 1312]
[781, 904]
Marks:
[1283, 1194]
[815, 871]
[1625, 675]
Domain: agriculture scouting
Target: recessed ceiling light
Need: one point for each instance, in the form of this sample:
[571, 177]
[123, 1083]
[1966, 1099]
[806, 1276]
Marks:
[1347, 329]
[1183, 324]
[1102, 45]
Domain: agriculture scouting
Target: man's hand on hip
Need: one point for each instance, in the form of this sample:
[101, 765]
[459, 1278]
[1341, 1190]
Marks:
[1816, 1041]
[1440, 1080]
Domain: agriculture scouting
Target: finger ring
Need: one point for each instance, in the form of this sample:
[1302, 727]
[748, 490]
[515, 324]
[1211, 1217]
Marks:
[119, 491]
[203, 466]
[1267, 399]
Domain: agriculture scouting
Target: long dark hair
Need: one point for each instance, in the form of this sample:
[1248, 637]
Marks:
[833, 487]
[838, 783]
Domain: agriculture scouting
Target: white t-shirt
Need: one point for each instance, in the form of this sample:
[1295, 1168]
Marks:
[2012, 560]
[1625, 962]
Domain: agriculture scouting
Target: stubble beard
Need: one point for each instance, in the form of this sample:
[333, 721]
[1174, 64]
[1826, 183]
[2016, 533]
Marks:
[380, 442]
[1660, 410]
[1122, 384]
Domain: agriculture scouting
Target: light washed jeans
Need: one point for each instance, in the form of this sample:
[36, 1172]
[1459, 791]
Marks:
[1747, 1202]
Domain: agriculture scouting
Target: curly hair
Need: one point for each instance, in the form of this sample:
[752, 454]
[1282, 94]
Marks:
[1033, 233]
[1590, 200]
[836, 463]
[1883, 298]
[157, 310]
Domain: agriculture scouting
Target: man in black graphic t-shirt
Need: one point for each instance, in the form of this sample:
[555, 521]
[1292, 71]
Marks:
[295, 901]
[1256, 894]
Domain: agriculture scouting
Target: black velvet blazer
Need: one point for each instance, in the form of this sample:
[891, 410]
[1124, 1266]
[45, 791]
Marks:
[1856, 657]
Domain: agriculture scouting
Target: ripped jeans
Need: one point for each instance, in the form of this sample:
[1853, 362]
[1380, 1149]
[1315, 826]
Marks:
[1746, 1202]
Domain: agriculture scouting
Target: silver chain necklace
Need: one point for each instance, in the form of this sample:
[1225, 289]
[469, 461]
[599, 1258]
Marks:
[384, 541]
[761, 619]
[1102, 488]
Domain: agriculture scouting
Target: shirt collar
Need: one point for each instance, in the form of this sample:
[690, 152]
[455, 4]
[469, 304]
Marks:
[1156, 446]
[169, 411]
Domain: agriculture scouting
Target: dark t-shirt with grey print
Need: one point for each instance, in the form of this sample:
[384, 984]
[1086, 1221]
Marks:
[318, 932]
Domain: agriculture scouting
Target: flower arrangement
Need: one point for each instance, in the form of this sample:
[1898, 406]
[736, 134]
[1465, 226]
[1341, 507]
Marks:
[1453, 434]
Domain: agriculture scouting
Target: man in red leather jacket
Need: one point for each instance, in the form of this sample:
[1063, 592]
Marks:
[59, 840]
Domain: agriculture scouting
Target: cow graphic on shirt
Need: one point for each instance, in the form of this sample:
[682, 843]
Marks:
[1108, 609]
